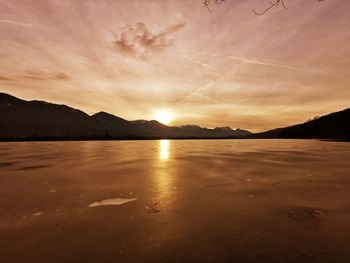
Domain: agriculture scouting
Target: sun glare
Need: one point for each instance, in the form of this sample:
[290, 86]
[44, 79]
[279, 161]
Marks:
[164, 117]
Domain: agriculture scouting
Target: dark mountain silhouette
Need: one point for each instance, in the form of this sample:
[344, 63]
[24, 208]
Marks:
[332, 126]
[266, 134]
[21, 120]
[109, 124]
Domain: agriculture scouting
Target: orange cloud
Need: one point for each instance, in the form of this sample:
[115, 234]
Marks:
[139, 41]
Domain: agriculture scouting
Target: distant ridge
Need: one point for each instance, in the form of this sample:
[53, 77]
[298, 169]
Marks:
[40, 120]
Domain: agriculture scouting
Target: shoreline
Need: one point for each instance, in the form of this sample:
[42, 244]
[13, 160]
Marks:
[62, 139]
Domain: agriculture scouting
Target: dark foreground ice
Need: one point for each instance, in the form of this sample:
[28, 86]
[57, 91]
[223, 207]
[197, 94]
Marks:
[175, 201]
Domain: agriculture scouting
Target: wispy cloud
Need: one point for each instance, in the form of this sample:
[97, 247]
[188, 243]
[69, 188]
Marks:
[139, 41]
[40, 75]
[3, 78]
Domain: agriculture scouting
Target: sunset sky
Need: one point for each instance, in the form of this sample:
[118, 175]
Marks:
[136, 58]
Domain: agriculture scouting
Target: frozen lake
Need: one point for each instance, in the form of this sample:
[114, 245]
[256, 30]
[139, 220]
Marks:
[175, 201]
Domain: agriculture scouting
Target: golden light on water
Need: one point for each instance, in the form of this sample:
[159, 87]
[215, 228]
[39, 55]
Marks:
[164, 116]
[164, 149]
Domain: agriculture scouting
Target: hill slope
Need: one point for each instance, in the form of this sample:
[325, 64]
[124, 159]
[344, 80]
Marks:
[332, 126]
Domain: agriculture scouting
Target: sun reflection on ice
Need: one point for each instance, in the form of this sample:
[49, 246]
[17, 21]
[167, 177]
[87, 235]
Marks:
[164, 149]
[163, 174]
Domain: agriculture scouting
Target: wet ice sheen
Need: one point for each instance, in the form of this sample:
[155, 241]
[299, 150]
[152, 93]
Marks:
[115, 201]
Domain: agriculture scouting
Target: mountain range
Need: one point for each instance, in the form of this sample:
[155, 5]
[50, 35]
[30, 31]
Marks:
[40, 120]
[20, 119]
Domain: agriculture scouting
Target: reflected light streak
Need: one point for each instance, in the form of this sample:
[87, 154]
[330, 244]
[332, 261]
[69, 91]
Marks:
[164, 175]
[164, 149]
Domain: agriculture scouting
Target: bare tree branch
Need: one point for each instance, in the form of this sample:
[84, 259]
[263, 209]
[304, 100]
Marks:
[276, 3]
[207, 3]
[272, 5]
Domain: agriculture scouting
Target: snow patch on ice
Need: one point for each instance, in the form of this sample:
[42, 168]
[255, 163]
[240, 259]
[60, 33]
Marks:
[115, 201]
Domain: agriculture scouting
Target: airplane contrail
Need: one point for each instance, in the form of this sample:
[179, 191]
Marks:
[270, 64]
[12, 22]
[200, 63]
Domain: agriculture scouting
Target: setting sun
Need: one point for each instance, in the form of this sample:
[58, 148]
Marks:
[164, 117]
